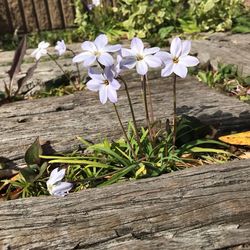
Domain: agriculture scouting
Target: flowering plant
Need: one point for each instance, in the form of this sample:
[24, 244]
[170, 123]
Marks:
[145, 151]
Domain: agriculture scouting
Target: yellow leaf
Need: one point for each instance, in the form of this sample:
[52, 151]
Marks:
[237, 139]
[141, 171]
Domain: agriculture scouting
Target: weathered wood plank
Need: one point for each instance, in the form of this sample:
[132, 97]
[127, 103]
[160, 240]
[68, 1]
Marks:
[198, 208]
[58, 120]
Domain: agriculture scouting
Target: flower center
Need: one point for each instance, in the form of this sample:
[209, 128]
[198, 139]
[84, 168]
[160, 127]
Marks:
[50, 187]
[175, 60]
[139, 57]
[97, 53]
[106, 82]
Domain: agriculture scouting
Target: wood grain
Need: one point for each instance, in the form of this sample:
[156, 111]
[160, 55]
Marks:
[198, 208]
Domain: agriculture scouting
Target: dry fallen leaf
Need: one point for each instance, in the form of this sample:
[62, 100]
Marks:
[237, 139]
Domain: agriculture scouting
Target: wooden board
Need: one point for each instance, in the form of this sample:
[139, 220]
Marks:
[198, 208]
[58, 120]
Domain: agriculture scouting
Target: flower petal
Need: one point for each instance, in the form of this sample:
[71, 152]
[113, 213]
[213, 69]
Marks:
[188, 61]
[128, 63]
[164, 56]
[108, 74]
[56, 175]
[137, 45]
[106, 59]
[150, 51]
[127, 52]
[43, 45]
[180, 70]
[95, 74]
[186, 47]
[94, 85]
[113, 48]
[141, 67]
[81, 57]
[153, 61]
[115, 84]
[103, 93]
[88, 46]
[61, 189]
[89, 61]
[168, 70]
[101, 41]
[175, 47]
[112, 94]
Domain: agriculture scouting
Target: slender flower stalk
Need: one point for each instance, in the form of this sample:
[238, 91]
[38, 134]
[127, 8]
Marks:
[132, 111]
[144, 93]
[77, 66]
[151, 109]
[61, 68]
[175, 115]
[124, 132]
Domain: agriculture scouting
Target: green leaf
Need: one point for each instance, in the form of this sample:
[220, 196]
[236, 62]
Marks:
[209, 150]
[30, 172]
[41, 170]
[103, 149]
[84, 162]
[118, 175]
[32, 155]
[208, 5]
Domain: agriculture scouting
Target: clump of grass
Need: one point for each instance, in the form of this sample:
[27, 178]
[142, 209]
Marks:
[108, 162]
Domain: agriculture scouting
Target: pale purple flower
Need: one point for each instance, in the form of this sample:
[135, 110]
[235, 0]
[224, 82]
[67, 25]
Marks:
[97, 50]
[140, 57]
[105, 83]
[60, 47]
[41, 50]
[96, 2]
[55, 186]
[116, 68]
[178, 59]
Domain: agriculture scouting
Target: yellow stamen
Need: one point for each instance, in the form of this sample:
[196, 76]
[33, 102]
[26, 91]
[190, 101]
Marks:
[139, 57]
[175, 60]
[106, 82]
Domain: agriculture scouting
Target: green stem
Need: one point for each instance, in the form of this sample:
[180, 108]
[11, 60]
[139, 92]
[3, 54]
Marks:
[124, 132]
[77, 66]
[60, 67]
[174, 118]
[151, 110]
[144, 91]
[132, 111]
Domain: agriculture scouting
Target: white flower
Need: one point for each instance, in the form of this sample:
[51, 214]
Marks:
[140, 57]
[96, 2]
[97, 50]
[41, 50]
[178, 59]
[60, 47]
[105, 84]
[54, 184]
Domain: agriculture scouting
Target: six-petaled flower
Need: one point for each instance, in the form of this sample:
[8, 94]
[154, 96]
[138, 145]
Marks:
[105, 83]
[178, 59]
[140, 57]
[97, 51]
